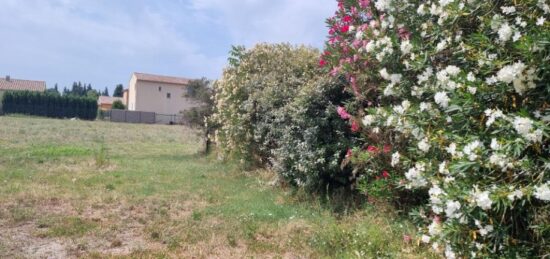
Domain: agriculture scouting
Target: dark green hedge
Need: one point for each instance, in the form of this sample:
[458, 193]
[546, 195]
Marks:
[49, 105]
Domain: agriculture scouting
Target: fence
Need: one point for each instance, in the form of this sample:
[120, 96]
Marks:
[141, 117]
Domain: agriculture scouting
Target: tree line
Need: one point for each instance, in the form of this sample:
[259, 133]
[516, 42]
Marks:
[79, 89]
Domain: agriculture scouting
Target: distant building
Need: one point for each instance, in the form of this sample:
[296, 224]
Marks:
[164, 95]
[10, 84]
[105, 103]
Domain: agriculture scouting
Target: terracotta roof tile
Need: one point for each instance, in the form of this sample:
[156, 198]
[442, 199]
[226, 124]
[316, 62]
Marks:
[162, 79]
[108, 100]
[22, 85]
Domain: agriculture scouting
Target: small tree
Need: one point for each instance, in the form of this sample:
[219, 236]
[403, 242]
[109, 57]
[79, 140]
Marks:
[119, 91]
[118, 105]
[200, 90]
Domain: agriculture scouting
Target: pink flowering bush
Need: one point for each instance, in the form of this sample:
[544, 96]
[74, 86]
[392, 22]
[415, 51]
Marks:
[460, 91]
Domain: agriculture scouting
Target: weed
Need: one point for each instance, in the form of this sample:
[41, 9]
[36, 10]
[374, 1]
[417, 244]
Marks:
[21, 214]
[66, 227]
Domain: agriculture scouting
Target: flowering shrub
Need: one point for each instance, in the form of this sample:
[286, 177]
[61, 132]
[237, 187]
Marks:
[459, 90]
[312, 139]
[275, 108]
[256, 84]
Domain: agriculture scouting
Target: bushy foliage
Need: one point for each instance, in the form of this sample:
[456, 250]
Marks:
[49, 105]
[256, 84]
[118, 105]
[311, 139]
[458, 92]
[200, 90]
[275, 108]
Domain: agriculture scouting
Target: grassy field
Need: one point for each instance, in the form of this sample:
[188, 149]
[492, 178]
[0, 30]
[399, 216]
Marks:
[98, 189]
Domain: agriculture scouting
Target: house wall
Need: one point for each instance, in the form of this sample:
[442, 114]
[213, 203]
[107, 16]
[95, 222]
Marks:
[132, 94]
[125, 98]
[153, 97]
[105, 106]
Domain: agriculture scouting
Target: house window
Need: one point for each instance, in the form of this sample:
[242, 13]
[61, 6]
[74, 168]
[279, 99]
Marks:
[160, 88]
[168, 95]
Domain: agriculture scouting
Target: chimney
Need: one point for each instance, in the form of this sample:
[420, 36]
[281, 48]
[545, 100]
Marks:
[8, 78]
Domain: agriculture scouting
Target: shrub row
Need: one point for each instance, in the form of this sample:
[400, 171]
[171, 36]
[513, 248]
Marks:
[49, 105]
[274, 108]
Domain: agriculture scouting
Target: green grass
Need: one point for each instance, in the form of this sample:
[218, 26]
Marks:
[103, 189]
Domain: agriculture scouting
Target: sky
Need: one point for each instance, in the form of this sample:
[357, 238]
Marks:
[102, 42]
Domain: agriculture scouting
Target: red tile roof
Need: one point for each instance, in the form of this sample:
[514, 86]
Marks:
[108, 100]
[22, 85]
[162, 79]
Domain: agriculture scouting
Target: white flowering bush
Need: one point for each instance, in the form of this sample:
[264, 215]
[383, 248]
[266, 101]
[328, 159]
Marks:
[255, 85]
[275, 108]
[459, 91]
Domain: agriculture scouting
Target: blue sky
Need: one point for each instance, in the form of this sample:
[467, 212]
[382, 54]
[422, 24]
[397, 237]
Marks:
[103, 41]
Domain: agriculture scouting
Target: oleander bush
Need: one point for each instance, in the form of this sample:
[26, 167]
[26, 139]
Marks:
[451, 99]
[312, 140]
[256, 84]
[276, 109]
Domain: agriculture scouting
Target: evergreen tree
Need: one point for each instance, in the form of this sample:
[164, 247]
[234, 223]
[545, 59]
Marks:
[53, 91]
[105, 92]
[119, 91]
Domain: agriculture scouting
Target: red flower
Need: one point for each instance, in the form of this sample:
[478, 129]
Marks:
[344, 29]
[372, 149]
[322, 62]
[343, 113]
[347, 19]
[387, 148]
[385, 174]
[355, 126]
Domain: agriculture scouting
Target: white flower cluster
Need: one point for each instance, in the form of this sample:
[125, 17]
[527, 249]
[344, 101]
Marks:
[542, 192]
[415, 176]
[463, 110]
[384, 45]
[516, 74]
[393, 78]
[524, 127]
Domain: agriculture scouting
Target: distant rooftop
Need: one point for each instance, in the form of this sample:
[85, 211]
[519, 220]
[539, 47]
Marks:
[162, 79]
[11, 84]
[108, 100]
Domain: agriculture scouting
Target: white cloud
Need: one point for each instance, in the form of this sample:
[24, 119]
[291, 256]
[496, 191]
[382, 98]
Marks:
[252, 21]
[103, 41]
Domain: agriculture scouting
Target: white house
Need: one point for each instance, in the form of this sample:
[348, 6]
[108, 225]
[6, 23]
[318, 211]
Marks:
[164, 95]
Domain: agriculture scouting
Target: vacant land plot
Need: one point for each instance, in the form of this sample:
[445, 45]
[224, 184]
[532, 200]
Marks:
[97, 189]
